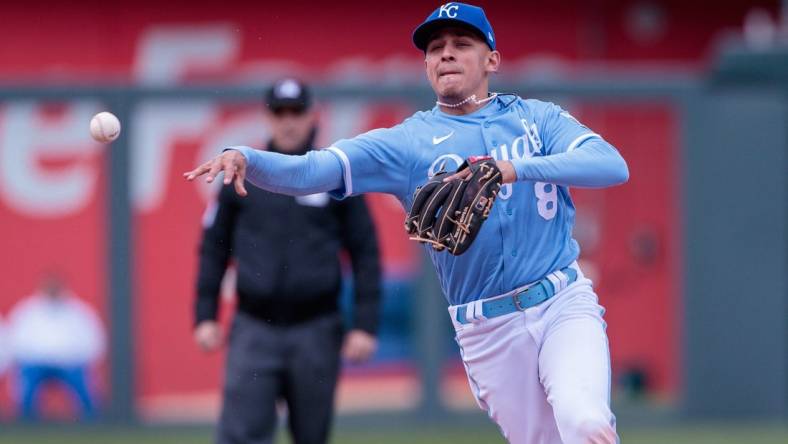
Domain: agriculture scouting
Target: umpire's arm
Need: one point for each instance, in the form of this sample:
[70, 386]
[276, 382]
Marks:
[215, 252]
[360, 241]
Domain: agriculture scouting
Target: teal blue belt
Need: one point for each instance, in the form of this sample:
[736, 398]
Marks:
[519, 300]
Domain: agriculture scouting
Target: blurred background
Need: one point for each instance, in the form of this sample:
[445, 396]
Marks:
[690, 258]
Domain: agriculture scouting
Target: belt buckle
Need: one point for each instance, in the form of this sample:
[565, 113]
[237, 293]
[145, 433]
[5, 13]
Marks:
[516, 299]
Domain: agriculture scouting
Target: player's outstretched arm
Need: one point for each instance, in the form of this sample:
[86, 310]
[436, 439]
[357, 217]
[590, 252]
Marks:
[314, 172]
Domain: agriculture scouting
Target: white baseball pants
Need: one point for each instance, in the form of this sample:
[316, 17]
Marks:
[543, 374]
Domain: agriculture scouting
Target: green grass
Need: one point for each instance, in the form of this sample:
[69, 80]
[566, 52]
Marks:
[698, 434]
[709, 434]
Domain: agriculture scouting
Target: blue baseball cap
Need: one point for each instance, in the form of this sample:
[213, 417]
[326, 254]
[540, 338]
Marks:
[455, 14]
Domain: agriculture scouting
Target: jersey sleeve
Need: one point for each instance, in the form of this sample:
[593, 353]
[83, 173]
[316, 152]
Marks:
[376, 161]
[573, 154]
[561, 132]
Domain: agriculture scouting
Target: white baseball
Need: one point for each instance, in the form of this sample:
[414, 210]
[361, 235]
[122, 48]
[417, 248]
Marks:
[104, 127]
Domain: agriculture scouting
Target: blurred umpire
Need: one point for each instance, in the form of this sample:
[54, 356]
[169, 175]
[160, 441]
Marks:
[287, 335]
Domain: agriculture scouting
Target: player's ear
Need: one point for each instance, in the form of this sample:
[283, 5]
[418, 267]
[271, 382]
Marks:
[493, 61]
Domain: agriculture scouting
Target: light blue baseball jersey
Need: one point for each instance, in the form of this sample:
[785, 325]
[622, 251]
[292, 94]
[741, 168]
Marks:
[529, 231]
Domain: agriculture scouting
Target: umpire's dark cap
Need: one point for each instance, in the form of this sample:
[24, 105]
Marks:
[288, 93]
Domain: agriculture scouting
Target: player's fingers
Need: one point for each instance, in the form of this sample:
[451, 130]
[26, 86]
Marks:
[240, 177]
[229, 169]
[213, 171]
[197, 172]
[459, 175]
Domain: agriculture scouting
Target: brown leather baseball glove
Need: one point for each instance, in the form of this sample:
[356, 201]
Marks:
[449, 215]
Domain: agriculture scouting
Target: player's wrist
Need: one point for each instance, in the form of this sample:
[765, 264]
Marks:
[508, 171]
[244, 151]
[520, 169]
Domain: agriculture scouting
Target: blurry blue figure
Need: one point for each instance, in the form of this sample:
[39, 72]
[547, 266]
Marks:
[54, 337]
[5, 355]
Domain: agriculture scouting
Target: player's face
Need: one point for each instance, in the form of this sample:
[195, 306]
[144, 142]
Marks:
[458, 63]
[290, 128]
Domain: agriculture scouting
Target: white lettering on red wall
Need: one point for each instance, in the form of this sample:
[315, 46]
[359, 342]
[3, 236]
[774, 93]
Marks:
[48, 163]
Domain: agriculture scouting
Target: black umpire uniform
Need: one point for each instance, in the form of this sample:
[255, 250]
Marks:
[287, 333]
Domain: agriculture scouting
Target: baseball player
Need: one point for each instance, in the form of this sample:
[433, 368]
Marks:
[530, 330]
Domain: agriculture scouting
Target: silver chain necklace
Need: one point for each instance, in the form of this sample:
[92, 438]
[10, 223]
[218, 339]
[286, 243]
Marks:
[472, 98]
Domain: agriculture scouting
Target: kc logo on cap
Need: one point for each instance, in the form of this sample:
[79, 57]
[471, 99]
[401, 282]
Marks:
[449, 9]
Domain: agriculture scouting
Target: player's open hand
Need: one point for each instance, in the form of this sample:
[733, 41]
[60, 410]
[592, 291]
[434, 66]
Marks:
[508, 174]
[359, 346]
[231, 162]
